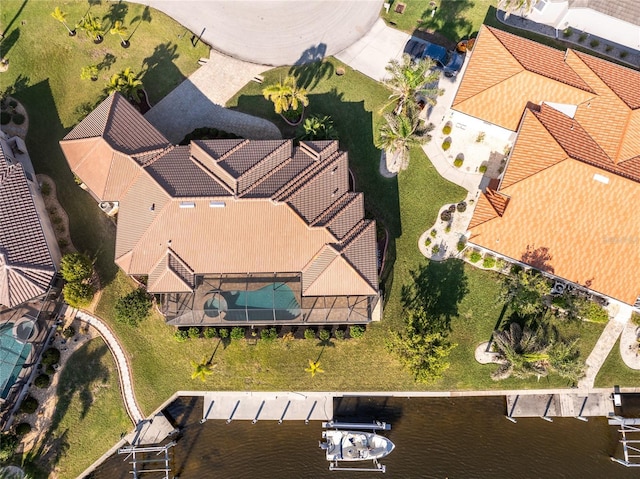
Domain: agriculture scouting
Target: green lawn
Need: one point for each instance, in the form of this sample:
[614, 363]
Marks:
[615, 372]
[89, 416]
[455, 19]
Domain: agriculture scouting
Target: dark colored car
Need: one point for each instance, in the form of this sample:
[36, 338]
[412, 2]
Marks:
[449, 62]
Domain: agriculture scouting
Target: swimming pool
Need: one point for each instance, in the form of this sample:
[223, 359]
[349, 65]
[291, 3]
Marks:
[13, 355]
[273, 301]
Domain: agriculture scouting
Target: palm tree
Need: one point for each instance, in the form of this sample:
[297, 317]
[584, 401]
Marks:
[89, 72]
[62, 18]
[314, 368]
[92, 27]
[120, 30]
[564, 359]
[401, 133]
[409, 79]
[286, 96]
[127, 83]
[201, 370]
[521, 352]
[512, 6]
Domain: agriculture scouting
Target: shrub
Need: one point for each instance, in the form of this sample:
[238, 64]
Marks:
[51, 356]
[594, 43]
[23, 428]
[324, 334]
[133, 308]
[475, 257]
[309, 334]
[193, 332]
[180, 335]
[210, 332]
[435, 249]
[42, 381]
[50, 370]
[481, 136]
[5, 117]
[608, 48]
[18, 118]
[635, 318]
[452, 208]
[458, 162]
[13, 103]
[623, 54]
[288, 337]
[29, 405]
[460, 246]
[433, 233]
[482, 169]
[567, 32]
[446, 144]
[461, 207]
[489, 262]
[447, 229]
[582, 37]
[8, 445]
[224, 333]
[339, 334]
[63, 243]
[268, 334]
[69, 332]
[237, 333]
[78, 295]
[356, 331]
[427, 242]
[594, 312]
[76, 267]
[445, 215]
[446, 129]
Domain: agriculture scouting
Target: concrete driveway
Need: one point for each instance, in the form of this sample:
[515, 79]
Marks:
[274, 32]
[371, 53]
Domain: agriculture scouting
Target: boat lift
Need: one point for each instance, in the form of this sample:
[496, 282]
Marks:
[138, 461]
[629, 430]
[376, 426]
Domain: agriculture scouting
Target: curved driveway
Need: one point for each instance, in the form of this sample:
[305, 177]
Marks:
[274, 32]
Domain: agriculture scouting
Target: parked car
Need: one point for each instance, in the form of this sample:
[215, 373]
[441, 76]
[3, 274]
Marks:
[449, 62]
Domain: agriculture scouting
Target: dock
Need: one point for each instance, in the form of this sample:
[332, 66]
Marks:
[579, 405]
[266, 406]
[151, 431]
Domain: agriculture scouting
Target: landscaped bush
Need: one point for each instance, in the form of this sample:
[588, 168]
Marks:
[482, 169]
[582, 37]
[489, 262]
[445, 215]
[433, 233]
[474, 257]
[481, 136]
[458, 162]
[76, 267]
[446, 144]
[13, 103]
[635, 318]
[133, 308]
[356, 331]
[594, 43]
[237, 333]
[593, 312]
[50, 370]
[452, 209]
[309, 334]
[324, 334]
[193, 332]
[23, 428]
[18, 118]
[78, 295]
[8, 445]
[624, 54]
[268, 334]
[435, 249]
[5, 117]
[210, 332]
[427, 242]
[447, 229]
[567, 32]
[51, 356]
[339, 334]
[460, 246]
[181, 335]
[446, 129]
[69, 332]
[461, 207]
[224, 333]
[29, 405]
[42, 381]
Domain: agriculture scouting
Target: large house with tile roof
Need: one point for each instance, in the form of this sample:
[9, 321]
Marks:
[567, 200]
[28, 249]
[231, 231]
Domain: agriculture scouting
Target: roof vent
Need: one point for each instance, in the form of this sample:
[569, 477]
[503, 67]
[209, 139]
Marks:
[187, 204]
[217, 204]
[601, 178]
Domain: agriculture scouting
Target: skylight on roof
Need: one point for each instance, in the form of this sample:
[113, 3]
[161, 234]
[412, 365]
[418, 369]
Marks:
[217, 204]
[601, 178]
[187, 204]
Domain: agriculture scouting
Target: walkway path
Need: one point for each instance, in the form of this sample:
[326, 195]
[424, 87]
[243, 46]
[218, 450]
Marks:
[605, 344]
[124, 371]
[199, 102]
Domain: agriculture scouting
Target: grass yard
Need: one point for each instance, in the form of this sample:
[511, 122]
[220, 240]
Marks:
[89, 416]
[454, 19]
[615, 372]
[44, 70]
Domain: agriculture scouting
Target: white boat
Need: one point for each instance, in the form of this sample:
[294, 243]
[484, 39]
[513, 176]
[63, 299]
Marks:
[343, 445]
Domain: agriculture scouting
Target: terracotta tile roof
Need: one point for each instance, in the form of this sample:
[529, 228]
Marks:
[231, 207]
[26, 265]
[587, 230]
[491, 204]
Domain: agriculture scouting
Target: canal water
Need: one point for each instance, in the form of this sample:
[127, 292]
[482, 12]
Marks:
[463, 438]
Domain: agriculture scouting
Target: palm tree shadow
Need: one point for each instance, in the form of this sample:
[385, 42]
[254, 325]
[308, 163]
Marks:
[214, 351]
[144, 17]
[117, 12]
[8, 42]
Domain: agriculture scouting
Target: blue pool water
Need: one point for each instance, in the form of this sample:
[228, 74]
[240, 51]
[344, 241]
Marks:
[258, 305]
[13, 355]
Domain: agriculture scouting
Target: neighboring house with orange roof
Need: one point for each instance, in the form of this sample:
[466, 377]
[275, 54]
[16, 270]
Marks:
[566, 202]
[231, 230]
[29, 253]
